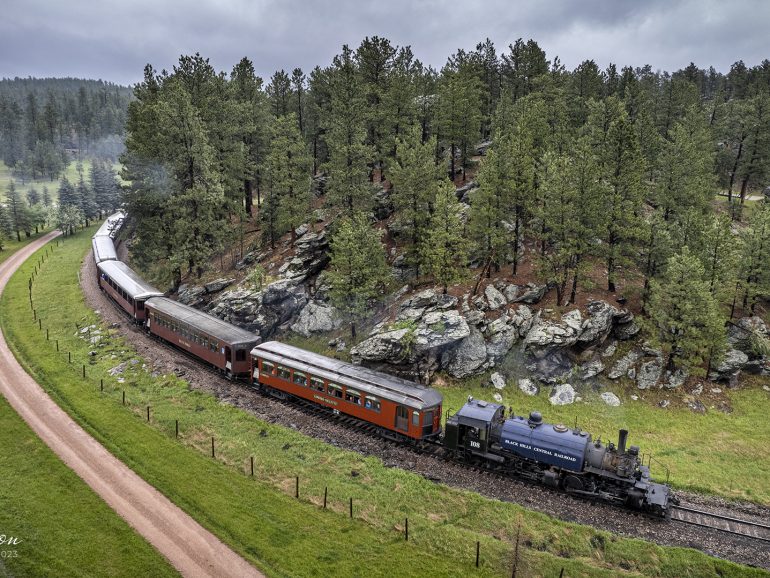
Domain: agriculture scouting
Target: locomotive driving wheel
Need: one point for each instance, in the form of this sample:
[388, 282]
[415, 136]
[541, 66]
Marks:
[572, 484]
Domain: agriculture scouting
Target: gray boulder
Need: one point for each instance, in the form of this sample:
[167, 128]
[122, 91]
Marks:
[495, 299]
[610, 399]
[649, 373]
[310, 258]
[389, 346]
[528, 386]
[562, 394]
[465, 192]
[532, 293]
[497, 379]
[550, 334]
[469, 357]
[501, 335]
[440, 329]
[591, 369]
[598, 325]
[317, 318]
[416, 306]
[511, 292]
[624, 364]
[522, 320]
[674, 379]
[730, 366]
[192, 296]
[218, 285]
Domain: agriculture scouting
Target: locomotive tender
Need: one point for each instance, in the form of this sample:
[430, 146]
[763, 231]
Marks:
[551, 454]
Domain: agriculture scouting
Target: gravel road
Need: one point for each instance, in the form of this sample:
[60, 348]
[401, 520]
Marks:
[190, 548]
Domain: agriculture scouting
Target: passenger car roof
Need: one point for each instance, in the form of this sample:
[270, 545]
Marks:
[368, 380]
[128, 280]
[204, 322]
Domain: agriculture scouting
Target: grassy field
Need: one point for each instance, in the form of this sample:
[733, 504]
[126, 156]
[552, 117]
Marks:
[260, 517]
[71, 173]
[64, 528]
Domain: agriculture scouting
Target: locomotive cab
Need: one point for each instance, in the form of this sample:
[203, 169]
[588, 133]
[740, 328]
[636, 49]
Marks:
[468, 430]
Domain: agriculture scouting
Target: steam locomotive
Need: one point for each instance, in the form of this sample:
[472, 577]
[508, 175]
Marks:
[479, 432]
[555, 456]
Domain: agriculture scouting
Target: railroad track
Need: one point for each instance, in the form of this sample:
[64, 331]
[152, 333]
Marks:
[727, 524]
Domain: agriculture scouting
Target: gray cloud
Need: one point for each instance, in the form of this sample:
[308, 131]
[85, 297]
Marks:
[114, 39]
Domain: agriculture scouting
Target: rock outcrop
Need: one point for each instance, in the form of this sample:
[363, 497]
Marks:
[317, 317]
[563, 394]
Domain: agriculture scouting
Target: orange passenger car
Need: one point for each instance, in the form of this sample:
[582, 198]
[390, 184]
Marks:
[403, 407]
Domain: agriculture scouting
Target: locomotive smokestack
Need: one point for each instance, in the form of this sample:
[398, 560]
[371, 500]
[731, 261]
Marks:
[622, 438]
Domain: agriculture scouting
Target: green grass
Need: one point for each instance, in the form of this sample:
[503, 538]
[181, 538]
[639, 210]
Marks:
[70, 172]
[64, 528]
[260, 518]
[10, 246]
[718, 453]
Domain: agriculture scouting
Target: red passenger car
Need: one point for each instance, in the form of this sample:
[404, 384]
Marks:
[125, 287]
[394, 404]
[208, 338]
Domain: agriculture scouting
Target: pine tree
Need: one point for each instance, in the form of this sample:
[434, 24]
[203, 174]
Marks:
[357, 271]
[33, 197]
[719, 255]
[621, 168]
[46, 197]
[685, 166]
[490, 207]
[755, 257]
[348, 188]
[415, 177]
[87, 201]
[279, 92]
[6, 226]
[17, 210]
[287, 169]
[68, 217]
[459, 112]
[444, 249]
[684, 317]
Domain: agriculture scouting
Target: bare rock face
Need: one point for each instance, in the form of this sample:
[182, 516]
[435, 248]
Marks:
[531, 293]
[469, 357]
[624, 364]
[317, 317]
[218, 285]
[591, 369]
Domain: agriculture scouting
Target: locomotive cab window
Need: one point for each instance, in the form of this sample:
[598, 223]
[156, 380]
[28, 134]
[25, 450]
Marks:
[427, 418]
[300, 378]
[415, 418]
[316, 384]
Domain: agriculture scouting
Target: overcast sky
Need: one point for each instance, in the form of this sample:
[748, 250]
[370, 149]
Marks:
[114, 39]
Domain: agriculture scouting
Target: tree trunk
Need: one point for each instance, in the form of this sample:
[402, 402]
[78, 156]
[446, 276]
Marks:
[573, 293]
[248, 195]
[452, 162]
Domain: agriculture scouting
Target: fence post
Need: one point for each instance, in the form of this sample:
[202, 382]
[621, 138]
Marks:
[406, 529]
[57, 345]
[326, 491]
[46, 334]
[296, 488]
[176, 428]
[69, 356]
[101, 384]
[478, 548]
[84, 371]
[148, 413]
[39, 323]
[124, 397]
[212, 447]
[252, 466]
[351, 507]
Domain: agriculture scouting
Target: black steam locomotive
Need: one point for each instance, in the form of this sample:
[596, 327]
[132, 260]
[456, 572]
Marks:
[555, 455]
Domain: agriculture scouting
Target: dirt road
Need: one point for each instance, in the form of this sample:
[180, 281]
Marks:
[190, 548]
